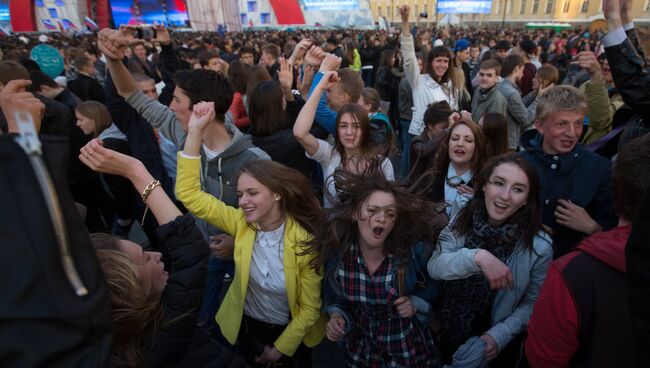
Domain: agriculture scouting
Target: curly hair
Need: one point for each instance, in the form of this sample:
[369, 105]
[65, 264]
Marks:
[415, 219]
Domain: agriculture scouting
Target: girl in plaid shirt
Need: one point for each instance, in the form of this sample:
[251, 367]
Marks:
[376, 291]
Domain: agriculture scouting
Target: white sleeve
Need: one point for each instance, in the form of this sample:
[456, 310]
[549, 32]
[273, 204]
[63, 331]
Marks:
[324, 153]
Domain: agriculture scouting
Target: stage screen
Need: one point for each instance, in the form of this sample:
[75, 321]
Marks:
[150, 12]
[4, 14]
[312, 5]
[464, 6]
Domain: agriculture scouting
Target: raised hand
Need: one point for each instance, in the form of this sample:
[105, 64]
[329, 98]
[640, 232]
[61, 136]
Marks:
[314, 56]
[113, 43]
[202, 115]
[14, 99]
[304, 82]
[404, 12]
[331, 62]
[300, 50]
[162, 35]
[329, 80]
[285, 75]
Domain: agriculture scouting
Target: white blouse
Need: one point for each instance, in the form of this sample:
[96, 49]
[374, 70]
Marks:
[266, 298]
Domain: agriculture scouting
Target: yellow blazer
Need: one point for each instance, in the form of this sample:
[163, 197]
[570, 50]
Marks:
[303, 283]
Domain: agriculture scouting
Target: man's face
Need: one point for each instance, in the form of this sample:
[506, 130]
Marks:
[336, 97]
[502, 53]
[267, 59]
[463, 55]
[214, 64]
[182, 107]
[487, 78]
[518, 72]
[474, 53]
[561, 131]
[140, 52]
[247, 58]
[492, 43]
[148, 87]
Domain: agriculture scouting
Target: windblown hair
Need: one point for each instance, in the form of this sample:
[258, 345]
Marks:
[414, 222]
[442, 159]
[527, 218]
[359, 115]
[136, 312]
[296, 197]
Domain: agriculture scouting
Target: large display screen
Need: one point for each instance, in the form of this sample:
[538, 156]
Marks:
[150, 12]
[310, 5]
[4, 13]
[464, 6]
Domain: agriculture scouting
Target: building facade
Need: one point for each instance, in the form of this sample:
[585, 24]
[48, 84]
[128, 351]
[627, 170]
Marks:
[510, 12]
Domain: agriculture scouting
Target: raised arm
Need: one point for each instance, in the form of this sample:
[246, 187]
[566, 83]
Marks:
[411, 68]
[306, 117]
[113, 43]
[104, 160]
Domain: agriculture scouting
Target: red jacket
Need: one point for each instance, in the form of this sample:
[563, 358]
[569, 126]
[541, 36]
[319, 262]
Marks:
[238, 111]
[554, 330]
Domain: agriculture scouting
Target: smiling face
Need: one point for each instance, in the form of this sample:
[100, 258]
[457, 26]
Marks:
[505, 192]
[151, 270]
[561, 131]
[376, 219]
[461, 145]
[439, 66]
[259, 203]
[349, 132]
[84, 123]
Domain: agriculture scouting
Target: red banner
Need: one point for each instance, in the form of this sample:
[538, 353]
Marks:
[288, 11]
[22, 16]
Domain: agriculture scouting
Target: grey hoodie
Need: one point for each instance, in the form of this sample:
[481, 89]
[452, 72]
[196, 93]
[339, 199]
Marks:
[219, 175]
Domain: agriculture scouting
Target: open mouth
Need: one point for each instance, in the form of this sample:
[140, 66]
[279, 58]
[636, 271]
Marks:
[378, 231]
[249, 209]
[459, 152]
[501, 206]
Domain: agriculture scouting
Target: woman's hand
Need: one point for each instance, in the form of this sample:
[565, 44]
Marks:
[329, 80]
[314, 56]
[492, 349]
[285, 75]
[575, 217]
[404, 307]
[497, 273]
[304, 82]
[404, 11]
[270, 356]
[465, 190]
[202, 115]
[107, 161]
[335, 327]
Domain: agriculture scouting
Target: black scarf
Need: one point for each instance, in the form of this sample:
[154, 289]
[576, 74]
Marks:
[466, 306]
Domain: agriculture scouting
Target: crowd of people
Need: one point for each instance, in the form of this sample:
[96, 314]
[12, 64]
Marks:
[456, 198]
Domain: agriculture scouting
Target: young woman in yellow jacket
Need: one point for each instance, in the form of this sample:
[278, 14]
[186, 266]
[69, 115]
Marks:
[273, 304]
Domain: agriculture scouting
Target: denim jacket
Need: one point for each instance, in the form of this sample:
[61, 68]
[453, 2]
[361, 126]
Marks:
[512, 308]
[421, 289]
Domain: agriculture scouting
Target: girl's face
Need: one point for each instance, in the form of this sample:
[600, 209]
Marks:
[461, 145]
[150, 268]
[84, 123]
[259, 203]
[376, 219]
[505, 192]
[349, 132]
[439, 66]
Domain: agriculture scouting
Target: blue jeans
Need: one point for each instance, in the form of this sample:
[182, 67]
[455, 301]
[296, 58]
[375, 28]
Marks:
[405, 143]
[213, 294]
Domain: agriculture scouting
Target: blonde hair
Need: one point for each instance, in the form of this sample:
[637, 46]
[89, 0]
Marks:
[560, 98]
[96, 112]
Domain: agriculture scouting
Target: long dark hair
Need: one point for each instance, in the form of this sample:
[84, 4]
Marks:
[265, 109]
[414, 222]
[442, 159]
[441, 51]
[296, 197]
[238, 75]
[527, 218]
[495, 130]
[360, 116]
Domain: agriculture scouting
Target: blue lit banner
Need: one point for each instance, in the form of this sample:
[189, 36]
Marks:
[464, 6]
[311, 5]
[4, 14]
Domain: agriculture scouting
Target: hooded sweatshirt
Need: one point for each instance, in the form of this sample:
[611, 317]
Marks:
[219, 175]
[581, 318]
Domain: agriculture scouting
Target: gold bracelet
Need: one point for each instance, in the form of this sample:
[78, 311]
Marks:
[147, 190]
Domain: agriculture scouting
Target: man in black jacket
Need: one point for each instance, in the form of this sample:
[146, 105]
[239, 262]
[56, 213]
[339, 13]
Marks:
[86, 87]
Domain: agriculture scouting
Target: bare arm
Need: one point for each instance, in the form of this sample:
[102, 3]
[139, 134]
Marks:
[306, 117]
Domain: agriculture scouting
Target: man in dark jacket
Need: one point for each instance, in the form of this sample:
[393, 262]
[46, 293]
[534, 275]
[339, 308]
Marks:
[575, 183]
[582, 317]
[86, 87]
